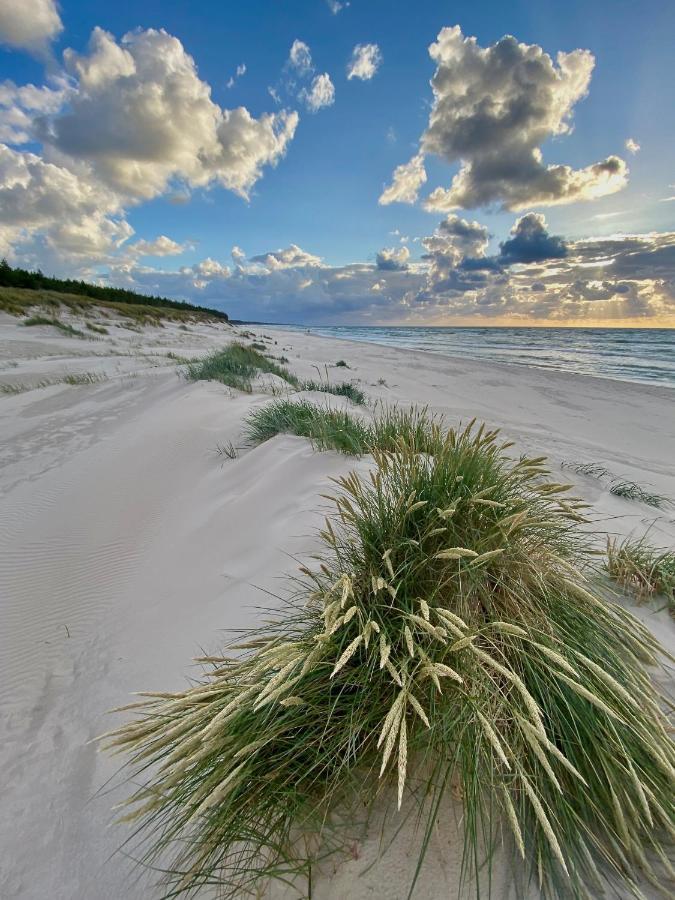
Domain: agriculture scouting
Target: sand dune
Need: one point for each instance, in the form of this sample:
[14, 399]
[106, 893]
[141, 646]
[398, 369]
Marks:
[127, 545]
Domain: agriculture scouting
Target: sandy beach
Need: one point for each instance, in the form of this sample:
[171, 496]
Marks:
[128, 545]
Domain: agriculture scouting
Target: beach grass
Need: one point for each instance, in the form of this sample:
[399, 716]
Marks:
[340, 389]
[98, 329]
[236, 366]
[80, 378]
[331, 429]
[629, 490]
[55, 323]
[328, 429]
[447, 637]
[590, 469]
[620, 487]
[642, 568]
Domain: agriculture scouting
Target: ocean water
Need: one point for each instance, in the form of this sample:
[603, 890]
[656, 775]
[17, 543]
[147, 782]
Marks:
[642, 355]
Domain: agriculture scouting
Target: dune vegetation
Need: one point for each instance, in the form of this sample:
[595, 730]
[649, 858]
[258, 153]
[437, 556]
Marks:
[20, 287]
[642, 568]
[338, 389]
[46, 303]
[236, 366]
[452, 637]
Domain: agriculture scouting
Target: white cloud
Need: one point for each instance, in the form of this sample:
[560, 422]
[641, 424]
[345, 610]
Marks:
[29, 24]
[493, 109]
[321, 93]
[161, 246]
[141, 117]
[240, 70]
[604, 279]
[77, 215]
[209, 268]
[20, 105]
[290, 258]
[393, 259]
[335, 6]
[632, 146]
[407, 180]
[366, 60]
[132, 121]
[300, 57]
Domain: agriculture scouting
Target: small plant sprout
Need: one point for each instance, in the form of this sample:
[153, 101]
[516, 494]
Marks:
[227, 451]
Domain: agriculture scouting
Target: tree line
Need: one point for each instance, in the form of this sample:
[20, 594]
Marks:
[36, 281]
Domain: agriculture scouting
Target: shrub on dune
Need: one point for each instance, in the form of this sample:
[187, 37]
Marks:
[449, 637]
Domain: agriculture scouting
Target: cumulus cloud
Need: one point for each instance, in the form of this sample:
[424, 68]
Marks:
[74, 213]
[141, 117]
[29, 24]
[366, 60]
[456, 256]
[289, 258]
[393, 259]
[493, 109]
[161, 246]
[407, 180]
[130, 120]
[605, 279]
[632, 146]
[300, 57]
[536, 276]
[335, 6]
[530, 242]
[19, 106]
[320, 93]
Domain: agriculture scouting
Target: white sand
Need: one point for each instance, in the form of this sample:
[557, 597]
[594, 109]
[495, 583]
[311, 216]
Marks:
[127, 545]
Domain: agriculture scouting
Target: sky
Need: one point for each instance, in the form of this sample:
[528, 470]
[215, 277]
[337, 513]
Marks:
[367, 162]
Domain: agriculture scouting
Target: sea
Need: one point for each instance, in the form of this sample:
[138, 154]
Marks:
[641, 355]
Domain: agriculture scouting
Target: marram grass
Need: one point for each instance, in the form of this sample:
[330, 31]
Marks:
[637, 565]
[448, 637]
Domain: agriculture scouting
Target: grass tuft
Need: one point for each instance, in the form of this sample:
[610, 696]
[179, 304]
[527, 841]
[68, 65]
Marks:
[446, 639]
[343, 389]
[648, 571]
[632, 491]
[56, 323]
[592, 470]
[328, 429]
[331, 429]
[85, 378]
[98, 329]
[236, 366]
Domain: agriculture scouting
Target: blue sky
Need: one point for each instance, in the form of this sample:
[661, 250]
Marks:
[321, 191]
